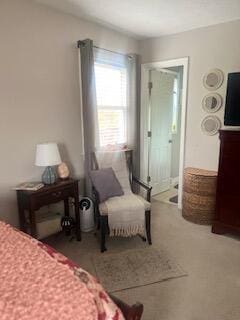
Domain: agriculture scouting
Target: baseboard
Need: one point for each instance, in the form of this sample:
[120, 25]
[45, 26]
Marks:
[174, 181]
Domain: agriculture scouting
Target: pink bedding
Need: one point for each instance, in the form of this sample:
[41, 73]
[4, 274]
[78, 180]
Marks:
[38, 283]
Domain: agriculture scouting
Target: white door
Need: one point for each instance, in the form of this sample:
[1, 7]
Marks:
[160, 114]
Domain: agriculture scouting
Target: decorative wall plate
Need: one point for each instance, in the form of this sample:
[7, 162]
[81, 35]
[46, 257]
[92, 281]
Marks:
[212, 102]
[210, 125]
[213, 79]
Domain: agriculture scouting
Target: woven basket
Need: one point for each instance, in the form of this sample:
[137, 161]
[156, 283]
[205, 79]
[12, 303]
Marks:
[199, 192]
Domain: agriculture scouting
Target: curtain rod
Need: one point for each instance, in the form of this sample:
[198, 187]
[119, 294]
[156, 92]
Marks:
[82, 43]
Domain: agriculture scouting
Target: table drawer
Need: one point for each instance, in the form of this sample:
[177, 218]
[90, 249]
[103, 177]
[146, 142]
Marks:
[53, 197]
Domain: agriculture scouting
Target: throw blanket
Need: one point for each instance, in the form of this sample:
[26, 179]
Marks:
[39, 283]
[126, 214]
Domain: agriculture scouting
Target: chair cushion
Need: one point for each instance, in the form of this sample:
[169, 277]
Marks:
[106, 183]
[117, 161]
[103, 208]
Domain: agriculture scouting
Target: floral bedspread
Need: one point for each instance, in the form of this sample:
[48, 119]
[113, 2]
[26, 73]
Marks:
[38, 283]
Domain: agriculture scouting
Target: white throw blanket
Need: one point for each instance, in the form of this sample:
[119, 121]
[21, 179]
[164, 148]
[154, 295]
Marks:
[126, 214]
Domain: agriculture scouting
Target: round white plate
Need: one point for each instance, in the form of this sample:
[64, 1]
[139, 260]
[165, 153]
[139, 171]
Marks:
[213, 79]
[212, 102]
[210, 125]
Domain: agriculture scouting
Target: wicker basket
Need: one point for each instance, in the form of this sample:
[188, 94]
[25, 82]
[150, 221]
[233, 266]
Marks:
[199, 192]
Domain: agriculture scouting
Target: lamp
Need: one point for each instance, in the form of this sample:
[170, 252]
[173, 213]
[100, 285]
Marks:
[47, 155]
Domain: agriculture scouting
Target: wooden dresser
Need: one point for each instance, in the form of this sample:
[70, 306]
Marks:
[227, 215]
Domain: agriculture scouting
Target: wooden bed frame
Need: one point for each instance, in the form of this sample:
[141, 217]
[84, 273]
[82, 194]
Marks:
[133, 312]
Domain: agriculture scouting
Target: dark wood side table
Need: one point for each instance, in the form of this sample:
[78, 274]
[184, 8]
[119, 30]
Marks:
[34, 200]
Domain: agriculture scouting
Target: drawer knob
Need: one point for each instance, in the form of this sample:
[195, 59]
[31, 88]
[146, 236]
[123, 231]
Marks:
[57, 194]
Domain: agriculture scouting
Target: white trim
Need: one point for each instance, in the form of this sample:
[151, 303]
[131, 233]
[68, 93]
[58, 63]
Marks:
[166, 64]
[174, 181]
[167, 71]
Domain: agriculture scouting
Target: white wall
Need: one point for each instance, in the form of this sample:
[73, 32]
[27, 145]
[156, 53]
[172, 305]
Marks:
[212, 47]
[39, 89]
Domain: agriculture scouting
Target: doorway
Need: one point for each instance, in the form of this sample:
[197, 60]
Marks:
[163, 109]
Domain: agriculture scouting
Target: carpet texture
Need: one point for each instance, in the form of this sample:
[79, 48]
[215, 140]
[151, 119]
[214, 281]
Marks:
[135, 268]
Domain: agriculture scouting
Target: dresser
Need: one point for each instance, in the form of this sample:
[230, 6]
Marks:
[227, 213]
[31, 201]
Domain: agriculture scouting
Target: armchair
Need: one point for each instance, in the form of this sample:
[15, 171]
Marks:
[102, 210]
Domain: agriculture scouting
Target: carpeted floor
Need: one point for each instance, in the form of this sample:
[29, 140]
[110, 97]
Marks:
[210, 291]
[135, 268]
[166, 196]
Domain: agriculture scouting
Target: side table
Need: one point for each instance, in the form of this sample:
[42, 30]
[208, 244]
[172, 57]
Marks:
[33, 200]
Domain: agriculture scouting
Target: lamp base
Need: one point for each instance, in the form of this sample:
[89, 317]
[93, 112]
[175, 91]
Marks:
[49, 176]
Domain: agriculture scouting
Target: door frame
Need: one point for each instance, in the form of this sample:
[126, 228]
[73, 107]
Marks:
[145, 121]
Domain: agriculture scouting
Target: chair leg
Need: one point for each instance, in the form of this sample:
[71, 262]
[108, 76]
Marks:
[98, 223]
[142, 237]
[103, 229]
[148, 226]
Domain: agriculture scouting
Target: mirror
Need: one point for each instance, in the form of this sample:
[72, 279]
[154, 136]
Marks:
[213, 79]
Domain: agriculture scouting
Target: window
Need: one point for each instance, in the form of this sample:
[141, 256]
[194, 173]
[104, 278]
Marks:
[111, 90]
[175, 106]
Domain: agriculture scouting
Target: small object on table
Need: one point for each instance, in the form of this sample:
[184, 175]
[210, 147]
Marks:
[47, 155]
[31, 186]
[34, 200]
[63, 171]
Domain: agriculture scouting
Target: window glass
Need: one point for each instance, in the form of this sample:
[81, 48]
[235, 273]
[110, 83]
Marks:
[111, 91]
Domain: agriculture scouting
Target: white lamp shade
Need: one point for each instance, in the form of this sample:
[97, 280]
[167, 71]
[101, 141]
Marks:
[47, 154]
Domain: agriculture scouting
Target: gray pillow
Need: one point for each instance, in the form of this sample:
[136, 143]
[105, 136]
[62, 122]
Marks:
[106, 183]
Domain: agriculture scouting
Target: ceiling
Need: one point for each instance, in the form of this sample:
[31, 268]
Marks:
[151, 18]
